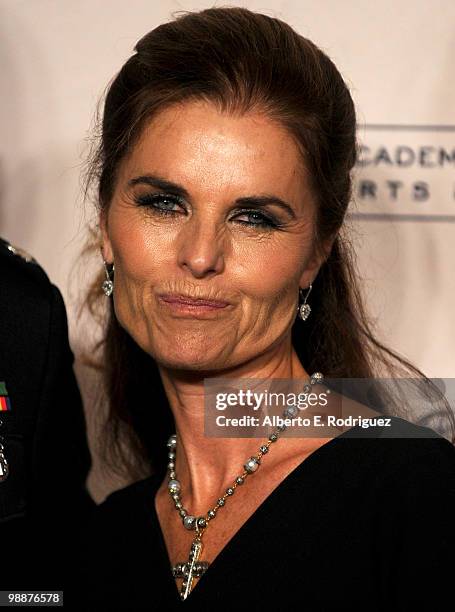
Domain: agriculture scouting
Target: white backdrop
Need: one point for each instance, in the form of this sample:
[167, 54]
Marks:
[56, 57]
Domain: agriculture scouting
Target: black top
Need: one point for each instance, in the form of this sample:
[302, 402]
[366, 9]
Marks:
[362, 523]
[43, 433]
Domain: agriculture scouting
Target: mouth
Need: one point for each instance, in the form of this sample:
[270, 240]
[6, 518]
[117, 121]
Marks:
[184, 300]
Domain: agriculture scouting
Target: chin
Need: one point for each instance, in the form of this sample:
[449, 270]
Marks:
[186, 359]
[190, 370]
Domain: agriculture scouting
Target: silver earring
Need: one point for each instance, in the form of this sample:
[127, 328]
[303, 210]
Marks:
[304, 309]
[108, 284]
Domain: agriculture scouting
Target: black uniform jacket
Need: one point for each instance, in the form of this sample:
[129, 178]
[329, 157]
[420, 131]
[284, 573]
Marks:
[42, 430]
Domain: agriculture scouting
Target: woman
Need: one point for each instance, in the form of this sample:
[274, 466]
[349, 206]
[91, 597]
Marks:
[223, 177]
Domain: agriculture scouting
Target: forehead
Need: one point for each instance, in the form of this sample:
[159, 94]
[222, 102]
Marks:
[194, 142]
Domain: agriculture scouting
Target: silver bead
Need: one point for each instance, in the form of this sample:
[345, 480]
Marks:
[251, 465]
[183, 513]
[317, 377]
[174, 486]
[239, 480]
[172, 474]
[171, 455]
[281, 427]
[221, 501]
[170, 465]
[306, 388]
[291, 411]
[230, 491]
[189, 522]
[264, 449]
[172, 442]
[178, 505]
[273, 437]
[211, 513]
[201, 521]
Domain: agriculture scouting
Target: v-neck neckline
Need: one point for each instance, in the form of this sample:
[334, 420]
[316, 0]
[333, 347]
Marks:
[247, 525]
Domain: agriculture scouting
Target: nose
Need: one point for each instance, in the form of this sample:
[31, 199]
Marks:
[201, 248]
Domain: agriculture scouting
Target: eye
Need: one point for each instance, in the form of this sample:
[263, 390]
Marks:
[161, 204]
[262, 220]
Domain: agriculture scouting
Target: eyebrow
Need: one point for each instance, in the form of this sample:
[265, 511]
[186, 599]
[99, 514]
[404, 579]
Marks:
[254, 201]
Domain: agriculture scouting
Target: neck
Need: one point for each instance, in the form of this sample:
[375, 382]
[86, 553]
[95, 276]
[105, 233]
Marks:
[206, 466]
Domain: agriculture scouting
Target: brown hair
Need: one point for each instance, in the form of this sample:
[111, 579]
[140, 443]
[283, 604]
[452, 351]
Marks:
[240, 61]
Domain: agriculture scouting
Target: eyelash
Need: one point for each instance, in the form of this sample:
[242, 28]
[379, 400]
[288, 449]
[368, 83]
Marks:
[151, 200]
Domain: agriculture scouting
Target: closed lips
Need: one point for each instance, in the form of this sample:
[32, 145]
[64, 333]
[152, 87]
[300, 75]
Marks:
[193, 301]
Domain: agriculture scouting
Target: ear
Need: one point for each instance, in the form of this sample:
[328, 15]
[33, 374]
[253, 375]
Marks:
[106, 247]
[316, 261]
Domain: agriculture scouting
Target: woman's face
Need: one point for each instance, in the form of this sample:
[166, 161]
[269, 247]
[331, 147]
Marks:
[234, 223]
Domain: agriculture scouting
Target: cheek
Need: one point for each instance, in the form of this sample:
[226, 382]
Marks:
[138, 250]
[269, 269]
[137, 269]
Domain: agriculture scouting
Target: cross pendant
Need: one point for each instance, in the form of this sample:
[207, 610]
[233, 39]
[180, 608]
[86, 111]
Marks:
[193, 568]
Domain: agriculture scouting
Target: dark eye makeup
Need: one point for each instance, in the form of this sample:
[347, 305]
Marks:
[163, 204]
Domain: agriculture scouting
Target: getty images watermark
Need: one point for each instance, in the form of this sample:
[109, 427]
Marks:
[322, 408]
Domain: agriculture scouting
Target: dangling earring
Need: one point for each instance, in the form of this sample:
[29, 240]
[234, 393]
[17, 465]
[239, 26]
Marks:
[304, 309]
[108, 284]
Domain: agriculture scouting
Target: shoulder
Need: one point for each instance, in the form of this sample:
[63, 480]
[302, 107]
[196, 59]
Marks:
[129, 497]
[26, 287]
[398, 451]
[421, 454]
[27, 293]
[384, 427]
[25, 284]
[124, 511]
[15, 260]
[8, 249]
[403, 456]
